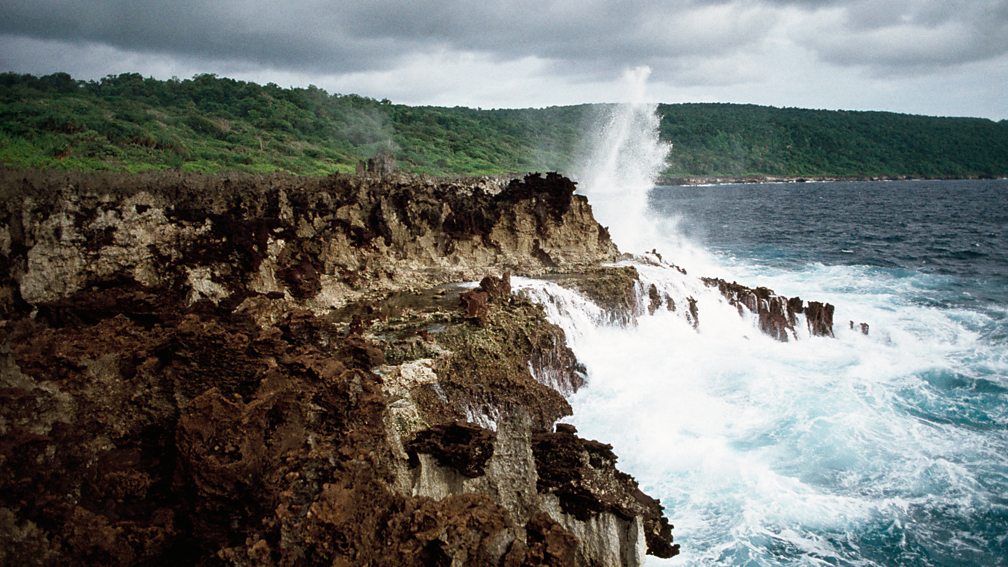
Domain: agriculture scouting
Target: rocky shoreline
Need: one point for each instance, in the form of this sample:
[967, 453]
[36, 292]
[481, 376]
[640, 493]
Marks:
[275, 370]
[278, 370]
[751, 179]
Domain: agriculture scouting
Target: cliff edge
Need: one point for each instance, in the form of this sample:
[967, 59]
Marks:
[276, 370]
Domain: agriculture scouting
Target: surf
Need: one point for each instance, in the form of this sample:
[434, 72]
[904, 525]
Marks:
[862, 449]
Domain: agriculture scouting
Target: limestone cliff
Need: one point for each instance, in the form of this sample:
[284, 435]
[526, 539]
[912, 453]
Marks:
[278, 370]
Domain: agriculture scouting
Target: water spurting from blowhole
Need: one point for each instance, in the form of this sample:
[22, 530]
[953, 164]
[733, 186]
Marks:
[624, 157]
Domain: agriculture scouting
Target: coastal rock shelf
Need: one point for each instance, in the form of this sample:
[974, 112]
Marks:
[278, 370]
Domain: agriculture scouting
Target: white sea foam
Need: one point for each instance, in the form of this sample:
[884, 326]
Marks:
[745, 438]
[768, 453]
[621, 162]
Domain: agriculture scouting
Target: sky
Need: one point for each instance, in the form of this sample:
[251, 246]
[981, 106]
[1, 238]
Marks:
[932, 57]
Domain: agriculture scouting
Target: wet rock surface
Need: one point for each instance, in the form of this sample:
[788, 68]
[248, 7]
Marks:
[583, 474]
[777, 315]
[614, 289]
[258, 371]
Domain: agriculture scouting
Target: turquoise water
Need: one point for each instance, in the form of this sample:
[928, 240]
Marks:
[885, 449]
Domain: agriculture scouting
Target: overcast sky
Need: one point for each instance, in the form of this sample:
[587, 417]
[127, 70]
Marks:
[935, 57]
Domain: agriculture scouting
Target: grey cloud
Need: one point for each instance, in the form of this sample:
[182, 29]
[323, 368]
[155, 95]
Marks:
[910, 36]
[454, 48]
[264, 33]
[335, 37]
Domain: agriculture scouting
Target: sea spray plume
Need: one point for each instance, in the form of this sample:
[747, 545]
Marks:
[623, 158]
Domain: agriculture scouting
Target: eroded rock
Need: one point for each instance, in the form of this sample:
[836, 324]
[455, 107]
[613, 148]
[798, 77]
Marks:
[323, 242]
[583, 475]
[777, 315]
[200, 370]
[613, 288]
[462, 446]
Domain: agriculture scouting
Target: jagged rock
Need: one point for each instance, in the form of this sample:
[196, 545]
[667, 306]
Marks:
[462, 446]
[382, 164]
[326, 242]
[583, 475]
[819, 317]
[614, 289]
[654, 299]
[863, 327]
[475, 303]
[497, 289]
[546, 543]
[777, 315]
[487, 370]
[230, 370]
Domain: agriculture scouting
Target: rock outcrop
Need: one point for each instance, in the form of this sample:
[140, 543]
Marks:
[613, 288]
[323, 242]
[777, 315]
[277, 370]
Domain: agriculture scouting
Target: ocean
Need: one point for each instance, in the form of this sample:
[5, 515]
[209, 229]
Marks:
[889, 448]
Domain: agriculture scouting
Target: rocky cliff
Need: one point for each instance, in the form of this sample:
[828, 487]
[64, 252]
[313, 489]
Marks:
[255, 371]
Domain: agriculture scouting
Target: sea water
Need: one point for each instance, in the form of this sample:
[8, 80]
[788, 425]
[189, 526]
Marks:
[886, 448]
[889, 448]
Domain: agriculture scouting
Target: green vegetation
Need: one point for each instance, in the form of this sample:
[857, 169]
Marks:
[732, 139]
[212, 124]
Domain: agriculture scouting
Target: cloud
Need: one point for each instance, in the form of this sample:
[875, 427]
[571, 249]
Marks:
[907, 37]
[525, 52]
[347, 37]
[583, 36]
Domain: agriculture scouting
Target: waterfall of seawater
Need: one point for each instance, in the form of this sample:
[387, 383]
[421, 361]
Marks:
[811, 452]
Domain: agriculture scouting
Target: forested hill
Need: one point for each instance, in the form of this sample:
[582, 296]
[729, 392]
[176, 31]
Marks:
[214, 124]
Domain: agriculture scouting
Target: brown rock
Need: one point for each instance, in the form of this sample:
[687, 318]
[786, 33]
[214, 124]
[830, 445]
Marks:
[583, 474]
[819, 317]
[546, 543]
[614, 289]
[475, 303]
[497, 289]
[777, 315]
[654, 300]
[199, 369]
[464, 447]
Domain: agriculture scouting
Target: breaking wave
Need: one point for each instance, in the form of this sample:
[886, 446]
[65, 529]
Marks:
[878, 449]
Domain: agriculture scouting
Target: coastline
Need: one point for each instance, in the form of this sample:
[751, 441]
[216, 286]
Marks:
[700, 180]
[255, 370]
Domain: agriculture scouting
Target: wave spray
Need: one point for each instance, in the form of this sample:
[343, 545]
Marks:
[623, 159]
[854, 450]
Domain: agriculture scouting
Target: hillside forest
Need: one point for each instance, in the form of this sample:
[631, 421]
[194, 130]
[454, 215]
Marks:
[214, 124]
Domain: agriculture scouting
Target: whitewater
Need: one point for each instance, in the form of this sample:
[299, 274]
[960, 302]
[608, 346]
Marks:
[889, 448]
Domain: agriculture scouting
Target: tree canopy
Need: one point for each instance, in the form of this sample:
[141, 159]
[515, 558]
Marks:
[207, 123]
